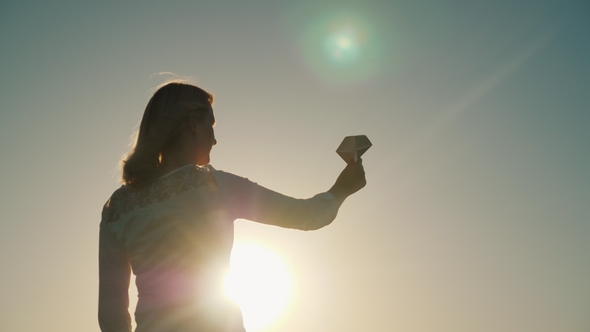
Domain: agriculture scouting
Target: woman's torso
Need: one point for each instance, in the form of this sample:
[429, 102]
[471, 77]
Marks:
[178, 238]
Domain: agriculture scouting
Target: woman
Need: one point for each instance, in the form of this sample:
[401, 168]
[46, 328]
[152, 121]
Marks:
[171, 222]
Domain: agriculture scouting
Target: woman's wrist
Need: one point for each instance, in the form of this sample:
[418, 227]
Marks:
[339, 193]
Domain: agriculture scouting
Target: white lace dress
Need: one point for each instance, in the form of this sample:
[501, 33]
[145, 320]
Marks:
[176, 234]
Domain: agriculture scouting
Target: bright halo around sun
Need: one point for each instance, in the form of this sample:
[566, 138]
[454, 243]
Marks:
[259, 282]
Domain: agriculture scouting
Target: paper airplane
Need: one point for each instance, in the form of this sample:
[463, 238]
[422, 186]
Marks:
[353, 147]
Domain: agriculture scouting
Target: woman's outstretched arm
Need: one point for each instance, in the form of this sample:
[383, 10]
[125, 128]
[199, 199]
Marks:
[248, 200]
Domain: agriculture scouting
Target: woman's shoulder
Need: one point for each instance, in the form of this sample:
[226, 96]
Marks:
[229, 180]
[132, 197]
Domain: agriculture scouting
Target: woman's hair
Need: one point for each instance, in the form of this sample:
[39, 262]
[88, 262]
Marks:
[163, 120]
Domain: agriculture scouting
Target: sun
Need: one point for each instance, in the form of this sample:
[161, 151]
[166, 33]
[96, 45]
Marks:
[259, 282]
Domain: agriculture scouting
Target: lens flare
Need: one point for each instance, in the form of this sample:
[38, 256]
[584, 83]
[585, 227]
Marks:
[342, 48]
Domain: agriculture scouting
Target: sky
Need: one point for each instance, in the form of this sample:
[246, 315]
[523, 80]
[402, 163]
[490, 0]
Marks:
[476, 215]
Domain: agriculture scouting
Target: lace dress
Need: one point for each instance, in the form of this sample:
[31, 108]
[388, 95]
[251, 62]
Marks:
[176, 234]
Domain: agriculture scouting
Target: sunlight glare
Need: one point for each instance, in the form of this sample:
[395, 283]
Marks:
[343, 42]
[343, 47]
[259, 282]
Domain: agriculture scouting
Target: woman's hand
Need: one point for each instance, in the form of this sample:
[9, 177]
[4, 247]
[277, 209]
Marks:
[350, 180]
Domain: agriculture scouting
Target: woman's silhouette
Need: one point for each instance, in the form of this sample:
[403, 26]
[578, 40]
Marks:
[171, 222]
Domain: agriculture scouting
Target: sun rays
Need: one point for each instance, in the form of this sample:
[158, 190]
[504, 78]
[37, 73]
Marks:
[259, 282]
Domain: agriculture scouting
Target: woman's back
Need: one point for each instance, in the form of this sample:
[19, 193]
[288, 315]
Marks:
[175, 234]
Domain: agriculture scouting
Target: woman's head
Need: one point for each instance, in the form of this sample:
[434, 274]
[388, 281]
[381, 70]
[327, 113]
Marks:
[175, 108]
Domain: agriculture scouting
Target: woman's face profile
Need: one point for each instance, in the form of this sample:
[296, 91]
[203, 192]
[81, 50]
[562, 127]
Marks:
[205, 139]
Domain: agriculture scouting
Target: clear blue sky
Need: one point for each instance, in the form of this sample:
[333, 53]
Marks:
[476, 216]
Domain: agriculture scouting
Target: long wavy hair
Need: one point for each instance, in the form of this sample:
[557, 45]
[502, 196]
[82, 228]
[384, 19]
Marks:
[163, 120]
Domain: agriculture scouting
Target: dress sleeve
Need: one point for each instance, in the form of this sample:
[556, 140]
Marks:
[248, 200]
[114, 276]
